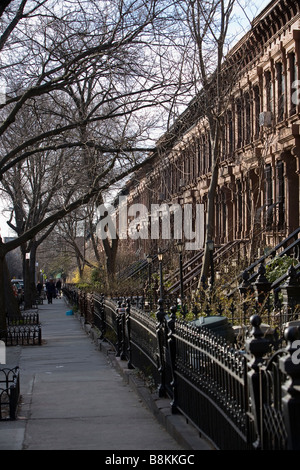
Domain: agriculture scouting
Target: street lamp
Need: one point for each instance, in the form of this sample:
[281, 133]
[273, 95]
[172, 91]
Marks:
[160, 257]
[210, 246]
[149, 261]
[180, 250]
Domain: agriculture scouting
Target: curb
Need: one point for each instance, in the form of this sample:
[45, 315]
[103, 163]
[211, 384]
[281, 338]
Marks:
[176, 425]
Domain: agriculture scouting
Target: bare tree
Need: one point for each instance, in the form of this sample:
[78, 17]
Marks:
[48, 50]
[215, 75]
[72, 233]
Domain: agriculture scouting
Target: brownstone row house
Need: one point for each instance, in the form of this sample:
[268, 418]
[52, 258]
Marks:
[257, 197]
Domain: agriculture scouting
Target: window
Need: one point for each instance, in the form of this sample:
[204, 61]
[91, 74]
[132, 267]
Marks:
[280, 194]
[247, 118]
[268, 196]
[230, 134]
[206, 153]
[293, 78]
[187, 163]
[280, 91]
[223, 138]
[257, 110]
[209, 154]
[239, 123]
[200, 157]
[239, 208]
[269, 91]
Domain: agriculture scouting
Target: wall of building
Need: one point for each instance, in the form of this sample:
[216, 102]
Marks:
[257, 198]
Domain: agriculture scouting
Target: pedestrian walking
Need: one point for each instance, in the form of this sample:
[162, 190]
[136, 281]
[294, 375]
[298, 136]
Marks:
[51, 291]
[39, 288]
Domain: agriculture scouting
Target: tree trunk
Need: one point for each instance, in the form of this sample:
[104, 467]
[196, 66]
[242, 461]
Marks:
[8, 302]
[210, 215]
[29, 277]
[2, 296]
[27, 294]
[11, 303]
[111, 254]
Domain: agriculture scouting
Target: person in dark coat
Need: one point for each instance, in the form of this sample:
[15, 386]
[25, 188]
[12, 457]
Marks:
[51, 291]
[39, 288]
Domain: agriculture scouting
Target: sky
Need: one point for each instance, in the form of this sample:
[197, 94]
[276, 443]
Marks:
[242, 24]
[244, 12]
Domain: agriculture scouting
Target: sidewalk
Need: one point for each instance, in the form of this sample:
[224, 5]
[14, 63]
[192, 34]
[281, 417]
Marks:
[74, 397]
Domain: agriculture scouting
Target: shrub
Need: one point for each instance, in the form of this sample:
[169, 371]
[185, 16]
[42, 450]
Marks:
[278, 267]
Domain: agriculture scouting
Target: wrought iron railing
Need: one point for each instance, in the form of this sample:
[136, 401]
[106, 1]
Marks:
[22, 335]
[9, 393]
[220, 388]
[24, 319]
[23, 329]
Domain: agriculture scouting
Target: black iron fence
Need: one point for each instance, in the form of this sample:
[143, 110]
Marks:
[9, 393]
[22, 334]
[239, 396]
[22, 330]
[24, 319]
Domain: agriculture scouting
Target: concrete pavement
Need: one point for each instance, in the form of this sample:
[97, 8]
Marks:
[75, 395]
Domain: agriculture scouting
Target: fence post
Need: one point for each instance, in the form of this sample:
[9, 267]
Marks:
[246, 288]
[128, 324]
[120, 320]
[291, 294]
[102, 318]
[119, 332]
[262, 285]
[123, 331]
[172, 351]
[290, 365]
[39, 335]
[160, 315]
[13, 401]
[257, 346]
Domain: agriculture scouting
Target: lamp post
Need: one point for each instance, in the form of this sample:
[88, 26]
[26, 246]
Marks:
[160, 332]
[210, 246]
[148, 301]
[160, 257]
[180, 249]
[149, 261]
